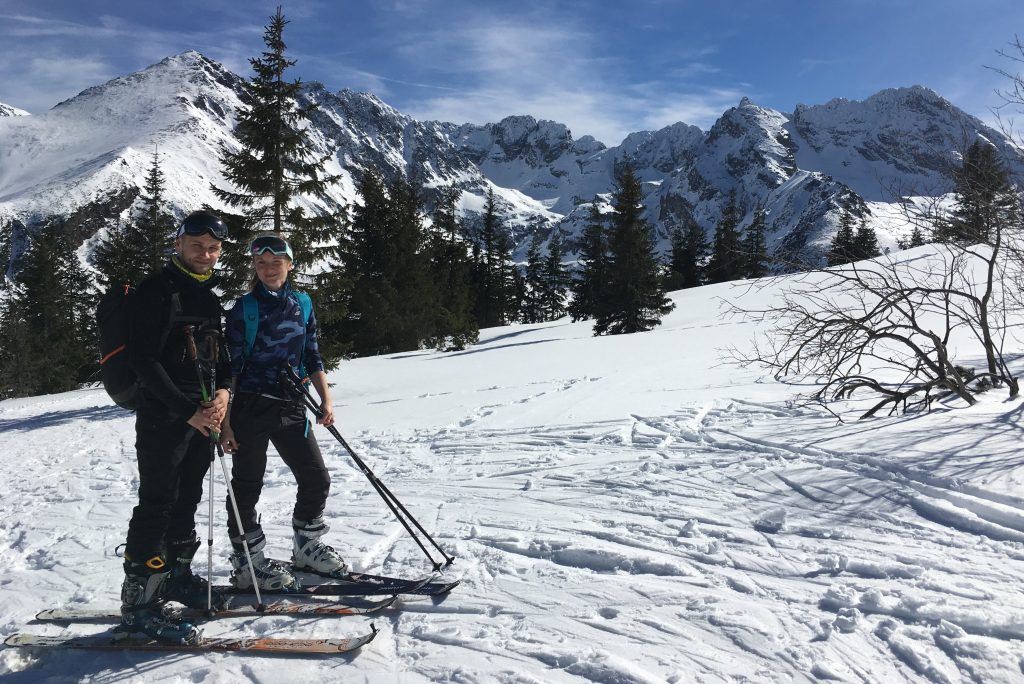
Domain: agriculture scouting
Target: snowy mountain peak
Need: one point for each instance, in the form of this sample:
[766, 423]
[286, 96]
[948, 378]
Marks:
[88, 155]
[8, 110]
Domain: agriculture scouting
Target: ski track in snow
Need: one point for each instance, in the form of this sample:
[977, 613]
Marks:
[726, 540]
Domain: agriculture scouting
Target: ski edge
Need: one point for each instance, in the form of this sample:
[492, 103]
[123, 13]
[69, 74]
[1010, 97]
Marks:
[276, 608]
[113, 642]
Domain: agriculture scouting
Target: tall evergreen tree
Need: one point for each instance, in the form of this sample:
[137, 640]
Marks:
[531, 309]
[493, 289]
[915, 239]
[450, 269]
[155, 227]
[590, 281]
[277, 163]
[865, 242]
[843, 249]
[389, 305]
[132, 250]
[755, 246]
[689, 251]
[556, 280]
[726, 251]
[985, 198]
[634, 298]
[5, 252]
[503, 283]
[116, 256]
[47, 336]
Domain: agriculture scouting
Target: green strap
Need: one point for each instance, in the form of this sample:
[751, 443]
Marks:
[251, 314]
[306, 304]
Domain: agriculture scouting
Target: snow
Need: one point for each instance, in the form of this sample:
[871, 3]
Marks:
[622, 509]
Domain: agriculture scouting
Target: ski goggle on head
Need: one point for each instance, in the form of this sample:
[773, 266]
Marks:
[203, 223]
[270, 243]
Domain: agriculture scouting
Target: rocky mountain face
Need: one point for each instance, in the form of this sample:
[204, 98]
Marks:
[85, 160]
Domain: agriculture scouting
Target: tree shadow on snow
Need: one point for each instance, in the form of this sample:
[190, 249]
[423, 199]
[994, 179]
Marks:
[61, 417]
[487, 349]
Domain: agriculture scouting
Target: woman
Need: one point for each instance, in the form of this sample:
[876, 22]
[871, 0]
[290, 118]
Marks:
[268, 329]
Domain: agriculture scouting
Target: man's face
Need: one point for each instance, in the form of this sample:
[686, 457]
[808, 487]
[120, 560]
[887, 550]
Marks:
[199, 253]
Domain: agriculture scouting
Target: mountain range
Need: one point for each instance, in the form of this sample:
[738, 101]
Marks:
[84, 161]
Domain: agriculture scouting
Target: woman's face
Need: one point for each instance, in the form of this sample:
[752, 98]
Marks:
[272, 270]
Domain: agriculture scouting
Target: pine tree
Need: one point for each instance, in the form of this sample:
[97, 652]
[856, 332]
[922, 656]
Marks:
[865, 242]
[155, 228]
[915, 239]
[47, 336]
[688, 261]
[454, 325]
[844, 244]
[726, 252]
[493, 269]
[634, 298]
[388, 305]
[589, 282]
[131, 251]
[985, 199]
[519, 296]
[277, 163]
[503, 275]
[755, 247]
[116, 256]
[555, 277]
[532, 307]
[5, 252]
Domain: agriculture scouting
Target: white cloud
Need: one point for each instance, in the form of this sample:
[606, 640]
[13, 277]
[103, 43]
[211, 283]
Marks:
[539, 66]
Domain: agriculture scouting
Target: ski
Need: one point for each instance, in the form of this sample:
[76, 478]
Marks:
[361, 584]
[120, 641]
[283, 607]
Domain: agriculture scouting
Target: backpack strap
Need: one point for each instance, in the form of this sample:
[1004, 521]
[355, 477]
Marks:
[306, 304]
[251, 316]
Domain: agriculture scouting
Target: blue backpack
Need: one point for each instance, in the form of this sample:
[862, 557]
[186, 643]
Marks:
[251, 314]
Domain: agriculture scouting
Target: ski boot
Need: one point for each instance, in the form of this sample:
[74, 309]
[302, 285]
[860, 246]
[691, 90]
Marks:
[185, 587]
[309, 554]
[268, 574]
[142, 603]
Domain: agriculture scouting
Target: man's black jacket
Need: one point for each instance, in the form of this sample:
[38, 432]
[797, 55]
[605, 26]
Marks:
[164, 304]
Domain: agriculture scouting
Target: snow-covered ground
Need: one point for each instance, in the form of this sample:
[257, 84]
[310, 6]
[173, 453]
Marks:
[623, 509]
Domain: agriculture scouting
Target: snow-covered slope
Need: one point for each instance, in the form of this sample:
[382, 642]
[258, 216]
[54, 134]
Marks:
[85, 159]
[8, 110]
[622, 509]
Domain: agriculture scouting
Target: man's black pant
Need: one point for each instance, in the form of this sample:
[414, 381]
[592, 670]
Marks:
[258, 421]
[173, 461]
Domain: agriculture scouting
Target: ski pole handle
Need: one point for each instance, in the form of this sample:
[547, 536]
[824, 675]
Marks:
[190, 346]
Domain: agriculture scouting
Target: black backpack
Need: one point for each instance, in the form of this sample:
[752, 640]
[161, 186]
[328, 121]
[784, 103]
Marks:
[113, 313]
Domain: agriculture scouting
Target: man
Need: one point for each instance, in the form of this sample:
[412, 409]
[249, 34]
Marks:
[172, 429]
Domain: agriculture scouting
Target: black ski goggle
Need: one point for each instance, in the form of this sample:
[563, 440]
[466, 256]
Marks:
[270, 243]
[203, 223]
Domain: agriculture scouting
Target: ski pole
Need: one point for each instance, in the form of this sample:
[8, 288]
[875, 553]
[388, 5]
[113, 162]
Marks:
[190, 343]
[389, 498]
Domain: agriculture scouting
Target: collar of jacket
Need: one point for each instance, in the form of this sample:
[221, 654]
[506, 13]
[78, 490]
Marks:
[179, 272]
[279, 297]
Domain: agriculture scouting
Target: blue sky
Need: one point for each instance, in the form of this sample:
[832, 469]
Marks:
[603, 68]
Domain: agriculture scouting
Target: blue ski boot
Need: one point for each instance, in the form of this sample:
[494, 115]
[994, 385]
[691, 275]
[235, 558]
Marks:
[142, 603]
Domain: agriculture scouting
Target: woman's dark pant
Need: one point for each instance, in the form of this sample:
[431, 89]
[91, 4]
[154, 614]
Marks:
[258, 421]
